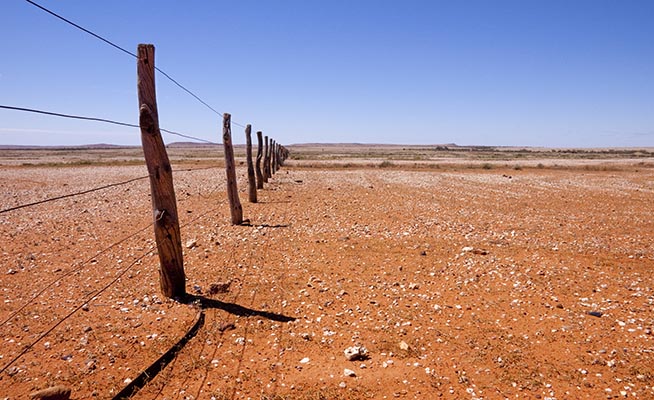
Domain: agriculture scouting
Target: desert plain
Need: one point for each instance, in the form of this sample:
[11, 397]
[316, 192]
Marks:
[464, 273]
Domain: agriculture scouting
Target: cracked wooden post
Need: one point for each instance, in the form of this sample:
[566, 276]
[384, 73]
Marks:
[232, 190]
[266, 159]
[259, 156]
[164, 205]
[252, 184]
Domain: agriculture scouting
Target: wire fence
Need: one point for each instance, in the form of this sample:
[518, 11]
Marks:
[66, 196]
[94, 294]
[88, 299]
[112, 44]
[77, 308]
[70, 272]
[103, 187]
[104, 120]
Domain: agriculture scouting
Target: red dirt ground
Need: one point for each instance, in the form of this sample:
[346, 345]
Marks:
[461, 284]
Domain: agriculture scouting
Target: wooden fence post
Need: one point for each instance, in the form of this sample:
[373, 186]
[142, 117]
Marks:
[269, 166]
[266, 160]
[278, 163]
[276, 157]
[270, 151]
[273, 163]
[164, 205]
[252, 184]
[270, 157]
[232, 190]
[259, 156]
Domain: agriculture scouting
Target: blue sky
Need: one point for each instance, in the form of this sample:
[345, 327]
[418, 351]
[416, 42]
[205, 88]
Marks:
[515, 73]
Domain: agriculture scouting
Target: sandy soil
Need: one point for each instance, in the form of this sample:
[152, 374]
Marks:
[461, 284]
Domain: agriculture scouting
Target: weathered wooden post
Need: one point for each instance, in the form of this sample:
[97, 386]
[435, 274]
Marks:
[278, 162]
[252, 184]
[164, 205]
[273, 163]
[266, 160]
[276, 157]
[232, 190]
[270, 157]
[259, 156]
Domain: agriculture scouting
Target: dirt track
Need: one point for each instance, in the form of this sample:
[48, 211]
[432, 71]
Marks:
[460, 283]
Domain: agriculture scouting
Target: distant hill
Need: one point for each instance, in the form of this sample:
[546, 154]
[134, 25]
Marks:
[368, 145]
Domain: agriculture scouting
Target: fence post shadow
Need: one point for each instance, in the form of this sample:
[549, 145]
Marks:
[236, 309]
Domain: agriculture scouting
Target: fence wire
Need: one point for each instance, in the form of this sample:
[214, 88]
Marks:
[65, 196]
[112, 44]
[104, 120]
[77, 308]
[72, 271]
[95, 294]
[147, 252]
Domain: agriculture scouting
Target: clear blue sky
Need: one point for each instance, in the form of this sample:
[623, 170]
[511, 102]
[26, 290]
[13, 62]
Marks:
[518, 73]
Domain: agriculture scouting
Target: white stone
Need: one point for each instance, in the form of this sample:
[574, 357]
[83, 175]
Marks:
[355, 353]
